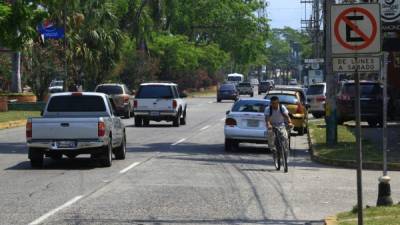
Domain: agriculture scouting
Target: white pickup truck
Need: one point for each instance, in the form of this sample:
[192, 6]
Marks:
[159, 102]
[76, 123]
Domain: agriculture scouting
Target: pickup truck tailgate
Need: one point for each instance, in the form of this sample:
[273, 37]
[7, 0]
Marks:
[64, 128]
[154, 104]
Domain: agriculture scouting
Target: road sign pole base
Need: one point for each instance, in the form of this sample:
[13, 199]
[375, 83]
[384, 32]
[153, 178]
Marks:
[384, 192]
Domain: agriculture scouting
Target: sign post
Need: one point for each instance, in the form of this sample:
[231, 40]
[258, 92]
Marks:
[356, 32]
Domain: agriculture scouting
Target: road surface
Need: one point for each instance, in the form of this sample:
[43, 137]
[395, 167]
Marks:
[177, 176]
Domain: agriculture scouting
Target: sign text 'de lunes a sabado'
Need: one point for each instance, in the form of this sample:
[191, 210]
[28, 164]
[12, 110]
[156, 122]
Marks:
[361, 64]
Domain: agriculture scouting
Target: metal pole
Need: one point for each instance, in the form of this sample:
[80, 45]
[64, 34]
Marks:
[65, 43]
[384, 192]
[384, 116]
[330, 106]
[359, 147]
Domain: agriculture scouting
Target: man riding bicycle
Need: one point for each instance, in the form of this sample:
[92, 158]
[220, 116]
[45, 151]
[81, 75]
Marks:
[276, 117]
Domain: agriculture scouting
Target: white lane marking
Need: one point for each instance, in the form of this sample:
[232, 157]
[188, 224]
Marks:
[205, 128]
[129, 167]
[223, 119]
[210, 102]
[54, 211]
[178, 142]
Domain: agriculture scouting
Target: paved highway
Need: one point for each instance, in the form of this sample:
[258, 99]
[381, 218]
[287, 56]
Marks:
[177, 176]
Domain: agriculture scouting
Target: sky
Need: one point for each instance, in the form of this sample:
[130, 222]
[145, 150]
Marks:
[286, 13]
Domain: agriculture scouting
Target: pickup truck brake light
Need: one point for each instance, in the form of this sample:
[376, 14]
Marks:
[29, 130]
[101, 129]
[76, 94]
[174, 104]
[135, 104]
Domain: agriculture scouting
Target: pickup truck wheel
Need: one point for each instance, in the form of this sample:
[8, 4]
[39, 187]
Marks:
[183, 119]
[138, 121]
[120, 152]
[218, 100]
[251, 95]
[56, 156]
[146, 122]
[36, 157]
[106, 158]
[176, 121]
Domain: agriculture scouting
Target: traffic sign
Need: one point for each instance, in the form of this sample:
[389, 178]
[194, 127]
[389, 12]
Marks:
[356, 29]
[311, 61]
[390, 15]
[50, 31]
[359, 64]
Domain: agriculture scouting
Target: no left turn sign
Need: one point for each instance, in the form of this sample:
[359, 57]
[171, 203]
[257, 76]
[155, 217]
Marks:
[356, 29]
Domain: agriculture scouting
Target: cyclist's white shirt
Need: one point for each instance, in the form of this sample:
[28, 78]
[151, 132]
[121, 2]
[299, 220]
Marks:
[277, 118]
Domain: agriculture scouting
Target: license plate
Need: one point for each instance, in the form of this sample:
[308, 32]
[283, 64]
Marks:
[66, 144]
[252, 123]
[154, 113]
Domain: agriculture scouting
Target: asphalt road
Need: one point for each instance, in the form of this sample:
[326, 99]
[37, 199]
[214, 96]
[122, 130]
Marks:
[177, 176]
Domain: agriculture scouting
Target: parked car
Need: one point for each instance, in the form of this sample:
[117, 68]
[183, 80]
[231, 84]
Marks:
[76, 123]
[371, 102]
[159, 102]
[264, 87]
[295, 101]
[123, 98]
[245, 123]
[316, 96]
[227, 92]
[56, 86]
[245, 88]
[293, 82]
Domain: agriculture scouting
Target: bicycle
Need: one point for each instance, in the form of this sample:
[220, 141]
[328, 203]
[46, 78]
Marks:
[282, 146]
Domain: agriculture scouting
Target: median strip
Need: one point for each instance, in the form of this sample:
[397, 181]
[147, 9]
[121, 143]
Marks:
[54, 211]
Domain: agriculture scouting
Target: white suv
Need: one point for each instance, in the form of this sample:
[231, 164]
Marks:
[159, 102]
[316, 96]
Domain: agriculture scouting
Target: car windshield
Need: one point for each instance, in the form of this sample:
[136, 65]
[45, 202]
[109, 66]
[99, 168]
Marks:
[244, 85]
[367, 89]
[285, 99]
[265, 83]
[110, 89]
[227, 88]
[76, 104]
[234, 78]
[155, 91]
[250, 106]
[315, 90]
[57, 83]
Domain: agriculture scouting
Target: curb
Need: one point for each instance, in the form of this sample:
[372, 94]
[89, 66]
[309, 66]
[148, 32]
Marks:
[12, 124]
[350, 164]
[331, 220]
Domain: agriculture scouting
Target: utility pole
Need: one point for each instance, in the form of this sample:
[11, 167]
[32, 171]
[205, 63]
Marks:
[330, 106]
[16, 67]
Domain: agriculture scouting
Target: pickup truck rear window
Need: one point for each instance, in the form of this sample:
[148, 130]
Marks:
[155, 91]
[110, 89]
[315, 90]
[76, 104]
[244, 85]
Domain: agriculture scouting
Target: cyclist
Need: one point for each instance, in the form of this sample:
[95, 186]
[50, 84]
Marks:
[276, 116]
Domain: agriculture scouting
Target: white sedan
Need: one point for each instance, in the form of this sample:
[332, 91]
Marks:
[245, 122]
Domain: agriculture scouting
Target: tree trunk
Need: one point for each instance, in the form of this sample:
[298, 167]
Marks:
[16, 75]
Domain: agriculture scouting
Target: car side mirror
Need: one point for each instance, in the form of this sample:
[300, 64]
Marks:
[227, 112]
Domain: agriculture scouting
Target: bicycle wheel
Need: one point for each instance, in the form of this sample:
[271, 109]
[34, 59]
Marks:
[277, 159]
[284, 153]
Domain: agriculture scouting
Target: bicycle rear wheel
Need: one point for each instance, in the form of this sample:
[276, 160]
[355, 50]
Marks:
[277, 159]
[284, 161]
